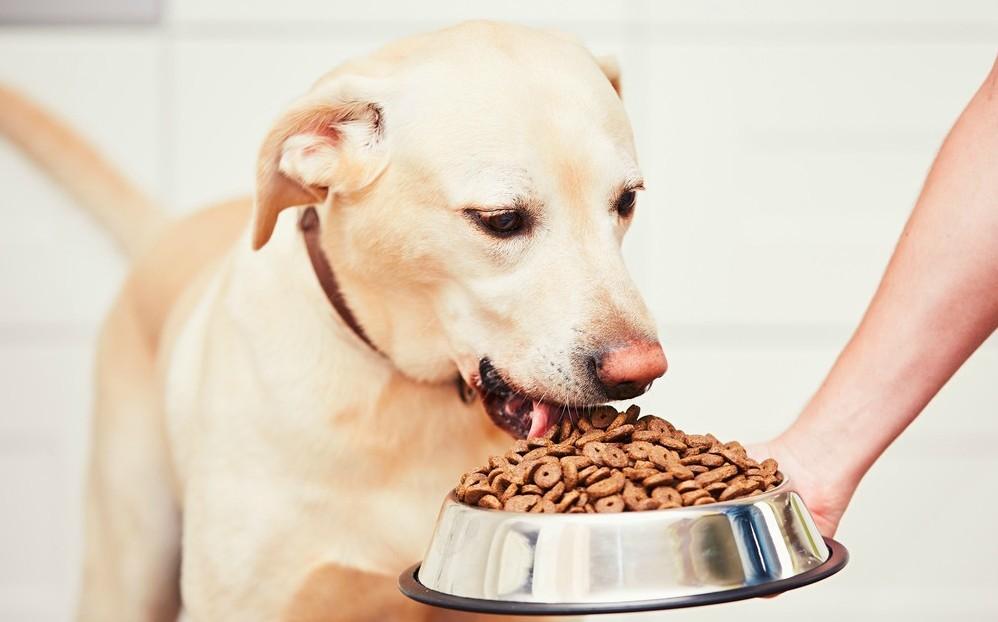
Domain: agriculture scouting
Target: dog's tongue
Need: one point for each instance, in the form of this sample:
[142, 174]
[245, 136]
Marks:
[541, 419]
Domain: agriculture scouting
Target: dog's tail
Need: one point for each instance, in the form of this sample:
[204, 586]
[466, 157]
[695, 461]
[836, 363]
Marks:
[132, 217]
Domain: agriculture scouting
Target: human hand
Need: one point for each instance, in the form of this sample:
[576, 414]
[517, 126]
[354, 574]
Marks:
[825, 494]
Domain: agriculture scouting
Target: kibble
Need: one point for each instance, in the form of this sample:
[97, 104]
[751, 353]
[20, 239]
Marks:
[607, 461]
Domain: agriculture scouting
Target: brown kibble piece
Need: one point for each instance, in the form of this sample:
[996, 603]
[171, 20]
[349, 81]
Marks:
[693, 495]
[660, 457]
[698, 440]
[507, 494]
[638, 449]
[640, 474]
[565, 429]
[567, 500]
[524, 471]
[740, 489]
[736, 447]
[768, 466]
[580, 462]
[521, 503]
[633, 495]
[548, 474]
[589, 470]
[474, 477]
[648, 436]
[704, 500]
[687, 486]
[609, 486]
[490, 502]
[659, 479]
[633, 412]
[620, 420]
[594, 451]
[590, 437]
[598, 475]
[716, 475]
[570, 474]
[667, 495]
[571, 438]
[681, 473]
[494, 473]
[621, 432]
[602, 416]
[615, 457]
[502, 481]
[555, 492]
[611, 504]
[534, 454]
[735, 458]
[475, 493]
[561, 450]
[671, 443]
[531, 489]
[716, 487]
[707, 460]
[657, 424]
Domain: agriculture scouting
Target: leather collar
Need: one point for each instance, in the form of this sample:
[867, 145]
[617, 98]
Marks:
[309, 225]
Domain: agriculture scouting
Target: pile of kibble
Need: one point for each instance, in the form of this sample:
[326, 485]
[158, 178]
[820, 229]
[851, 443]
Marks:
[609, 461]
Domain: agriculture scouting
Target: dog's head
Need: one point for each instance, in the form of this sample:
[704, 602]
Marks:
[475, 186]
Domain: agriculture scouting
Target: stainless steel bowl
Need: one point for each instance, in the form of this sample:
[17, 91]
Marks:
[512, 562]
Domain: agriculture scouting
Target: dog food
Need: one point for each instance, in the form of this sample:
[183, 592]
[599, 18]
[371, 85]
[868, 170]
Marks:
[609, 461]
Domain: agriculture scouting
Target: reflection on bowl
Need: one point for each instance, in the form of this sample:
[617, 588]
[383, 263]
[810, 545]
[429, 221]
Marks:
[615, 558]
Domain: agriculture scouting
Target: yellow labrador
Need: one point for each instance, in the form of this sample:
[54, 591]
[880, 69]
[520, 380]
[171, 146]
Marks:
[277, 414]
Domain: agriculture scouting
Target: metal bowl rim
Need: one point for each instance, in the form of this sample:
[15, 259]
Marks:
[696, 510]
[410, 586]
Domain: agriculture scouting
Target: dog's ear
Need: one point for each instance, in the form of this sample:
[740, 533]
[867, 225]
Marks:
[611, 69]
[327, 143]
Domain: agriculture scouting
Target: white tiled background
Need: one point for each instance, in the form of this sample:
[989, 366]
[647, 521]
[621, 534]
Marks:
[783, 143]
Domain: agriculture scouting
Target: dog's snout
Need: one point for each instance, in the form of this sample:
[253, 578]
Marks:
[628, 370]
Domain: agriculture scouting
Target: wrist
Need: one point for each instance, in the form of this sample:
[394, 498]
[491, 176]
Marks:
[824, 459]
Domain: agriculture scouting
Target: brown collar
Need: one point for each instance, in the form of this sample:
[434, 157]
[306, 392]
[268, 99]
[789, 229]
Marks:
[309, 225]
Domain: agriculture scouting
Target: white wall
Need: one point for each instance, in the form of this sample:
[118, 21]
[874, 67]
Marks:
[783, 144]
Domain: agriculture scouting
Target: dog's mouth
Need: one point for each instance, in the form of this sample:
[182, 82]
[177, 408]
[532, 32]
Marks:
[514, 411]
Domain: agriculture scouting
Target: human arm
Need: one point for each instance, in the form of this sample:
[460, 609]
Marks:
[937, 302]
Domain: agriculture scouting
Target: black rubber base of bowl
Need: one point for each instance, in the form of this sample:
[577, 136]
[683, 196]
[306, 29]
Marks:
[410, 586]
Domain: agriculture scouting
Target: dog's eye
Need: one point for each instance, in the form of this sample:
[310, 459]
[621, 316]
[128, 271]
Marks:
[625, 204]
[502, 223]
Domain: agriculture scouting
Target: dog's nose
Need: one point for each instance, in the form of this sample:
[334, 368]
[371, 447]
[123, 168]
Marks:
[627, 371]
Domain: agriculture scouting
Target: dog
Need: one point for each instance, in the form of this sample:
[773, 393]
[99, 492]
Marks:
[288, 386]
